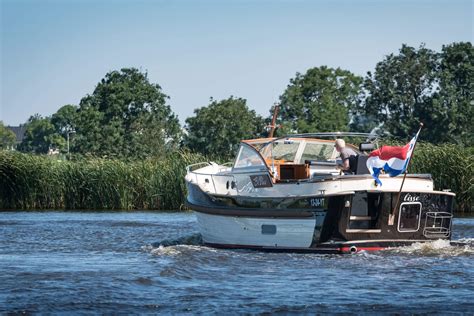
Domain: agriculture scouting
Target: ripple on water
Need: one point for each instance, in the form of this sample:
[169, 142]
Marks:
[96, 263]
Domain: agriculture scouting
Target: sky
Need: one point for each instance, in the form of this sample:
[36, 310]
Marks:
[55, 52]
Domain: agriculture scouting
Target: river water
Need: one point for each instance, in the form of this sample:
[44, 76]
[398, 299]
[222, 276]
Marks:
[60, 262]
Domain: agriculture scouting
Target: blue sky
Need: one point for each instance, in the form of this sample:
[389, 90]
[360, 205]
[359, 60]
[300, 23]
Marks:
[54, 52]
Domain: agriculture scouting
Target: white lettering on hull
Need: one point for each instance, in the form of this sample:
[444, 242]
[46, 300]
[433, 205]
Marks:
[317, 202]
[411, 198]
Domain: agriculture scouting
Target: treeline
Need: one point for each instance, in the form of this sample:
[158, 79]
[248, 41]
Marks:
[127, 116]
[39, 182]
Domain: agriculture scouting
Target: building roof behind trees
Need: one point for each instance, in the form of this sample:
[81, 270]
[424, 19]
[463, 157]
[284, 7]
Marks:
[19, 132]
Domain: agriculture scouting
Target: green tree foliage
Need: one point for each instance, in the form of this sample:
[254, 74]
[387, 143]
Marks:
[64, 120]
[319, 101]
[218, 128]
[454, 99]
[399, 92]
[420, 85]
[40, 136]
[126, 115]
[7, 137]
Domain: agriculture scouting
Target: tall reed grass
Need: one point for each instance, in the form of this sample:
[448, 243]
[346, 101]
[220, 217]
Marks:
[452, 167]
[39, 182]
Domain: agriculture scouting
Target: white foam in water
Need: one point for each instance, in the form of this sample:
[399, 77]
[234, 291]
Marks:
[439, 248]
[167, 251]
[173, 250]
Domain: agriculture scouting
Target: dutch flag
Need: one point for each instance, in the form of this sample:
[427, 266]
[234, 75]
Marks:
[392, 159]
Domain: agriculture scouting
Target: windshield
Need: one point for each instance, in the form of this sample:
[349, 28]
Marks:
[248, 157]
[296, 150]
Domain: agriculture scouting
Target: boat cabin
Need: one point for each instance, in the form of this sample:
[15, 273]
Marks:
[294, 158]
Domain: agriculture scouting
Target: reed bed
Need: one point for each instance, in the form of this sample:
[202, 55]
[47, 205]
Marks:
[452, 167]
[39, 182]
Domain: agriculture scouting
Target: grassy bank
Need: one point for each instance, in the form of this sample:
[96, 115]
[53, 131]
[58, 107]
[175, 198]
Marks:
[38, 182]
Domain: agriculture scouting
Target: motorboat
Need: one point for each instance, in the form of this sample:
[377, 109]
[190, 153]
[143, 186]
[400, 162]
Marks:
[288, 194]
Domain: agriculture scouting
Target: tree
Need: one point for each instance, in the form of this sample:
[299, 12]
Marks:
[454, 98]
[420, 85]
[218, 128]
[7, 137]
[399, 93]
[64, 120]
[126, 115]
[319, 101]
[40, 136]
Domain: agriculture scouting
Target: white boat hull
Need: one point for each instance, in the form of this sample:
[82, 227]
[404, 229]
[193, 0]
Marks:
[258, 232]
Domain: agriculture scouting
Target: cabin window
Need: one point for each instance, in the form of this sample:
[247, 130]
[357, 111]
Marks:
[285, 150]
[318, 152]
[409, 217]
[248, 157]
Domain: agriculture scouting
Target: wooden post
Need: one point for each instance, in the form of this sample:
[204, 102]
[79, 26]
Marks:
[273, 126]
[391, 217]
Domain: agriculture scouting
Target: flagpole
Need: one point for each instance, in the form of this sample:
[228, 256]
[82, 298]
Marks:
[391, 217]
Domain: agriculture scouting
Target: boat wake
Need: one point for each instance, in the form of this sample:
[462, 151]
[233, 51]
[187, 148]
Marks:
[444, 248]
[460, 247]
[175, 246]
[190, 240]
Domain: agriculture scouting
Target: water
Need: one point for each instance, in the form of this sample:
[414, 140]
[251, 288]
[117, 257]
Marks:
[58, 262]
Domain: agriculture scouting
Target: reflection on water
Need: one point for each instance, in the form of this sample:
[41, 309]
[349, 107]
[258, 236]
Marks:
[155, 263]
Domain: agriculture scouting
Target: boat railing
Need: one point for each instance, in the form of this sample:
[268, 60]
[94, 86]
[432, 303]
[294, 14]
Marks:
[212, 178]
[194, 166]
[437, 224]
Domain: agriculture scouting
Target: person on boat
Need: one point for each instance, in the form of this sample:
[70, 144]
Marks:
[348, 156]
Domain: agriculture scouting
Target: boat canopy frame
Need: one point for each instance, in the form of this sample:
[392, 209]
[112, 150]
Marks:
[370, 137]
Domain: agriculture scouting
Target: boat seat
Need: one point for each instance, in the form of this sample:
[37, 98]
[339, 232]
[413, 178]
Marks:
[361, 164]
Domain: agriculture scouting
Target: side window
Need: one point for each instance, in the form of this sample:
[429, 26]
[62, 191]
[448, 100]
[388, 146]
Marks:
[285, 150]
[409, 217]
[319, 152]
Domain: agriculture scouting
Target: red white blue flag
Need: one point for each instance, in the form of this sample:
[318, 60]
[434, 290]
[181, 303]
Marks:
[391, 159]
